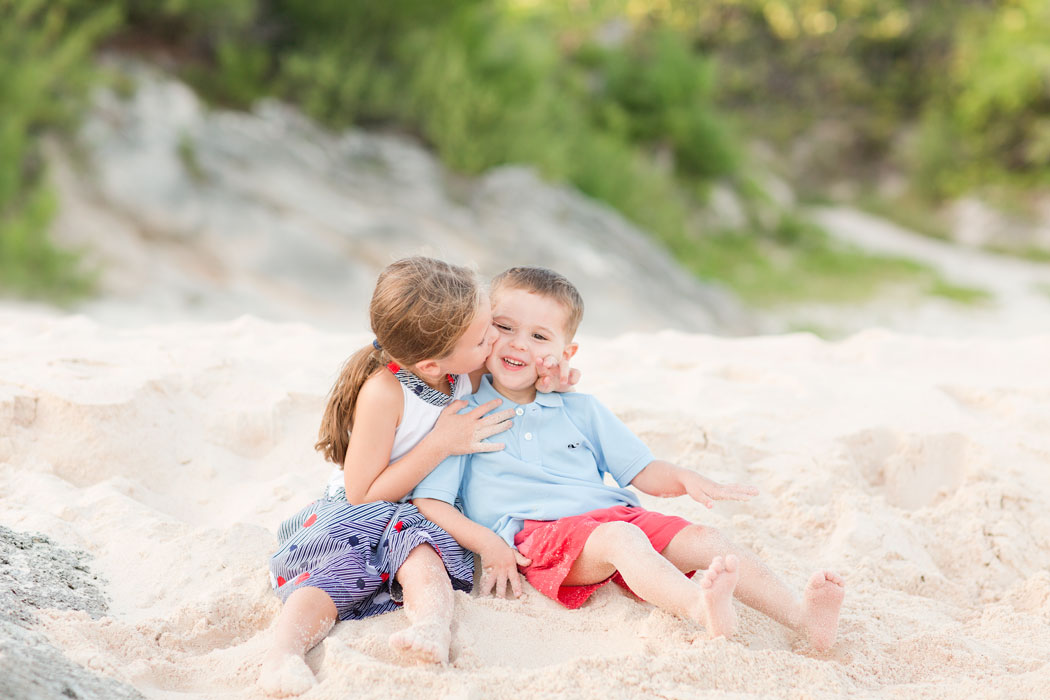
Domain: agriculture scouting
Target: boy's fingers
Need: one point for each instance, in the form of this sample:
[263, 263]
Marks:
[574, 376]
[515, 584]
[501, 585]
[487, 446]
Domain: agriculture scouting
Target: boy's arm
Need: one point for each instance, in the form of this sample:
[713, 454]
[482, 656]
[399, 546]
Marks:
[666, 480]
[499, 561]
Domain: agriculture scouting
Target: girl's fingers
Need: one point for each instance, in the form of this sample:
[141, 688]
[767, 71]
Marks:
[487, 446]
[498, 417]
[490, 430]
[483, 408]
[454, 406]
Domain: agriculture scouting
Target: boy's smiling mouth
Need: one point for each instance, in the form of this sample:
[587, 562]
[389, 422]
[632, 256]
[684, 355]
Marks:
[512, 363]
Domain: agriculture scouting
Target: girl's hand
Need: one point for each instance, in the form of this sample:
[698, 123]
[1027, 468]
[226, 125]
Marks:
[499, 567]
[460, 434]
[553, 375]
[706, 491]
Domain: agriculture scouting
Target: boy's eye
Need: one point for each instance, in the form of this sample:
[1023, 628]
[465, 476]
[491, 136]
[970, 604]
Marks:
[502, 326]
[537, 336]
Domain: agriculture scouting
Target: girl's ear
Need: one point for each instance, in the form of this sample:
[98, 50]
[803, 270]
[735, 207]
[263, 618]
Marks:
[428, 368]
[570, 350]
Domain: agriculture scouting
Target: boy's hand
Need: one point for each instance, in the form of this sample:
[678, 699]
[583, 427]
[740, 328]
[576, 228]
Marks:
[706, 491]
[460, 434]
[499, 567]
[553, 375]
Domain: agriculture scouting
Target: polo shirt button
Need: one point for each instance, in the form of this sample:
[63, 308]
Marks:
[528, 436]
[520, 411]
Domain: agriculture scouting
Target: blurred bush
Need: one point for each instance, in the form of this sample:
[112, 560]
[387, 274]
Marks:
[643, 104]
[44, 78]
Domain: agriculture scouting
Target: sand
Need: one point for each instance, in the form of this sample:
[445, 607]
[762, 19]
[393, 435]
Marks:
[917, 468]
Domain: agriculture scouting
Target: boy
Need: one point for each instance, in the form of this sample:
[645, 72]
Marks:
[544, 493]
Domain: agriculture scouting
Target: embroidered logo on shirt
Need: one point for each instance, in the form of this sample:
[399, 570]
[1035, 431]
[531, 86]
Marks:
[574, 445]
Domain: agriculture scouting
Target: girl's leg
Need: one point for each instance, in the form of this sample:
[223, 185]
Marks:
[305, 619]
[623, 547]
[428, 604]
[815, 616]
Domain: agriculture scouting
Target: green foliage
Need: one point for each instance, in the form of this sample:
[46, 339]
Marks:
[44, 78]
[994, 120]
[799, 262]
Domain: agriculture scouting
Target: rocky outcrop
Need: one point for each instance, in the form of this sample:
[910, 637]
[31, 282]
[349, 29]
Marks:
[198, 213]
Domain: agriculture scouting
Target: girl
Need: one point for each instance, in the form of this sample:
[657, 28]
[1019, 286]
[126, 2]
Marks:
[390, 419]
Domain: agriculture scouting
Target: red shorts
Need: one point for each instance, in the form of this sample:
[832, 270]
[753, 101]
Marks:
[554, 545]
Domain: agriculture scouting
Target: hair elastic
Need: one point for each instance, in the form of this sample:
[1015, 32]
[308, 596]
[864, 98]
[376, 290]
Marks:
[376, 345]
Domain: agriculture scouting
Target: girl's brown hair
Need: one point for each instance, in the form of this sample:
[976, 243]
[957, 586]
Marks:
[420, 309]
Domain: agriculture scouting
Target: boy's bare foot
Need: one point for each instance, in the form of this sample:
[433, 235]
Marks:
[285, 674]
[716, 591]
[426, 641]
[821, 602]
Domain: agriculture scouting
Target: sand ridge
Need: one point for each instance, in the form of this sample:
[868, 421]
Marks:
[915, 467]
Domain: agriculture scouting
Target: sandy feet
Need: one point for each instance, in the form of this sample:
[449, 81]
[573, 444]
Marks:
[821, 602]
[285, 675]
[716, 590]
[426, 642]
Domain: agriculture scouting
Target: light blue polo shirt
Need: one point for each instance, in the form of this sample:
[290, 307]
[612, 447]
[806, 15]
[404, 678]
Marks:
[558, 451]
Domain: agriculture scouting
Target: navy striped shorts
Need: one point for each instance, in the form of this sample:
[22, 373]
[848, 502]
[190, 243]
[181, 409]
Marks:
[353, 552]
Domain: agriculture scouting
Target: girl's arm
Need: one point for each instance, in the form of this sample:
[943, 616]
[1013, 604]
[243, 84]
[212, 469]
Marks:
[664, 479]
[499, 561]
[367, 474]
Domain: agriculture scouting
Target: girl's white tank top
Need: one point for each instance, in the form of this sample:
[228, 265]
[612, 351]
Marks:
[417, 419]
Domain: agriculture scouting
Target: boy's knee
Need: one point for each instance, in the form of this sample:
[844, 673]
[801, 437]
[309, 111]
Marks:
[705, 536]
[621, 534]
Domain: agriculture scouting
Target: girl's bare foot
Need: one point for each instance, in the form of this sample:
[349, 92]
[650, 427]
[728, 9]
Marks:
[427, 641]
[716, 593]
[285, 674]
[821, 602]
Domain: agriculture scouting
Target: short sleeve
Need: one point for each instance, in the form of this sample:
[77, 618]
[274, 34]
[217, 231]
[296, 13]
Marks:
[442, 484]
[619, 452]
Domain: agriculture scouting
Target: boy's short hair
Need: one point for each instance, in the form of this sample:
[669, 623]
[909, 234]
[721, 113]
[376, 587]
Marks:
[548, 283]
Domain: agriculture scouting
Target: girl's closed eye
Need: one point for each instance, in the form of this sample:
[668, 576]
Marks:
[502, 326]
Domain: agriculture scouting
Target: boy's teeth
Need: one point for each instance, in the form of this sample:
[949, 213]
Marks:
[513, 362]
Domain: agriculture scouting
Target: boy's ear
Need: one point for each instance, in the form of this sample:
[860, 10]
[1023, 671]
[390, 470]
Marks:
[570, 350]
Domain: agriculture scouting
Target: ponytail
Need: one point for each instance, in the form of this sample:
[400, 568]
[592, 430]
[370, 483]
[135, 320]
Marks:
[334, 436]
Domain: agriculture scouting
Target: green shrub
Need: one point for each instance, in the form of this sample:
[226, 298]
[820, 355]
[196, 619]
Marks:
[44, 79]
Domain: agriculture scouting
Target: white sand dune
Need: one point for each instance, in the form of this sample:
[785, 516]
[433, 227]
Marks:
[918, 468]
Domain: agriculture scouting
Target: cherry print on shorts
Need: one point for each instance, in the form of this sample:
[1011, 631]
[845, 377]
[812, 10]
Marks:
[281, 581]
[311, 520]
[399, 525]
[301, 577]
